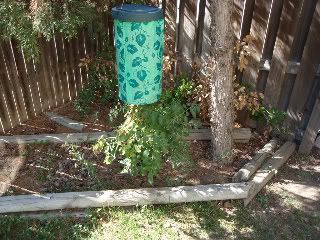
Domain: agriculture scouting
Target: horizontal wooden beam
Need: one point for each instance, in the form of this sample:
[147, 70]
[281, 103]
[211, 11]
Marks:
[269, 169]
[126, 197]
[66, 122]
[55, 138]
[240, 135]
[251, 167]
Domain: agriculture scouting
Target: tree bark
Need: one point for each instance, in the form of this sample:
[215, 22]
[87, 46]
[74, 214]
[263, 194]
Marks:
[221, 79]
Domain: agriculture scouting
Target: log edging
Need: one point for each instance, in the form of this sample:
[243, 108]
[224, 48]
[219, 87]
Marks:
[240, 135]
[125, 197]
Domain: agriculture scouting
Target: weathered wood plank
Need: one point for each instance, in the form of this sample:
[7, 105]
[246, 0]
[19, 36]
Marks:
[269, 169]
[55, 138]
[125, 197]
[44, 83]
[258, 31]
[24, 80]
[268, 46]
[8, 98]
[64, 121]
[317, 144]
[240, 135]
[298, 105]
[251, 167]
[70, 67]
[282, 48]
[9, 91]
[187, 31]
[298, 44]
[312, 130]
[247, 16]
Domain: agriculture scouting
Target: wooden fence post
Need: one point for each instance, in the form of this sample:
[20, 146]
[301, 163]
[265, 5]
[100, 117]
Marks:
[300, 38]
[268, 46]
[312, 130]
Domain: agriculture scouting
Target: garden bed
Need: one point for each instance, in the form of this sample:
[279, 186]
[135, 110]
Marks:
[54, 168]
[50, 165]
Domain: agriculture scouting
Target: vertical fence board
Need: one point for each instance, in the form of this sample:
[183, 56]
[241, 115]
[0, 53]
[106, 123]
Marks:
[199, 29]
[70, 66]
[75, 62]
[46, 91]
[306, 76]
[206, 43]
[6, 100]
[258, 31]
[268, 45]
[312, 130]
[179, 35]
[247, 15]
[13, 88]
[62, 67]
[237, 17]
[187, 32]
[24, 80]
[34, 81]
[289, 18]
[296, 51]
[50, 83]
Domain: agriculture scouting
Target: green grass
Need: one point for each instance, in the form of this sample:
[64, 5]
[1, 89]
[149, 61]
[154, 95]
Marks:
[175, 221]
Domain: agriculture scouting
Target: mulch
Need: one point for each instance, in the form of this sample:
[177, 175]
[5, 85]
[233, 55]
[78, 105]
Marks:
[51, 168]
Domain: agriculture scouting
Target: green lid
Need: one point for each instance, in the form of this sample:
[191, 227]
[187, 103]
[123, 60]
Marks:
[137, 13]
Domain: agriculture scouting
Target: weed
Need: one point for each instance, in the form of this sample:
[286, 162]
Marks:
[81, 160]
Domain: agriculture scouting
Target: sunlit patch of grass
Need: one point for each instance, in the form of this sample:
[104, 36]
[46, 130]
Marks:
[174, 221]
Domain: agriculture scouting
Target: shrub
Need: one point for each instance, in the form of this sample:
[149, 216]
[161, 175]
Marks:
[101, 88]
[152, 134]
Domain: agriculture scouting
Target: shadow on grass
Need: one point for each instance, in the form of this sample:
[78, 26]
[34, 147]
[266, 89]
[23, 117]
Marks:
[267, 218]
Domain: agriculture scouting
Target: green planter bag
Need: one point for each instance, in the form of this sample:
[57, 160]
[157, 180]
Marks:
[139, 40]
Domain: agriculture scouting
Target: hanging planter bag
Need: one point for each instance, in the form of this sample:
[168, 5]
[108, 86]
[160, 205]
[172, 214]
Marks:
[139, 40]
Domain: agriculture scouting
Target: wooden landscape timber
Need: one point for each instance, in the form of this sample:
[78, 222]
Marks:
[240, 135]
[251, 167]
[269, 169]
[126, 197]
[64, 121]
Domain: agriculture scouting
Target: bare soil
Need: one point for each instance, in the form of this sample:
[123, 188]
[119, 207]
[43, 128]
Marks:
[40, 168]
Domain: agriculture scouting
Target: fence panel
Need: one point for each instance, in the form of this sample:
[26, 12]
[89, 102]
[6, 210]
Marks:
[30, 87]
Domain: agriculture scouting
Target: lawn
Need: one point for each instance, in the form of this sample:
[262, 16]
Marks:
[278, 212]
[263, 220]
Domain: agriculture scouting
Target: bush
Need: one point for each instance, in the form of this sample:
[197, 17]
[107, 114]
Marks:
[101, 88]
[152, 134]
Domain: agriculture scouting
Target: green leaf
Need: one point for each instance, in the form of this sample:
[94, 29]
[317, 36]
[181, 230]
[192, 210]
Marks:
[133, 83]
[138, 95]
[132, 49]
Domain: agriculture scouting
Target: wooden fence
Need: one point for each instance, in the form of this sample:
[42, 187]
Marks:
[28, 88]
[284, 64]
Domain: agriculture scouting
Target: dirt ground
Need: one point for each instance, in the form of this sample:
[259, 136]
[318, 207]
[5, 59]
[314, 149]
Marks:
[40, 168]
[298, 182]
[43, 168]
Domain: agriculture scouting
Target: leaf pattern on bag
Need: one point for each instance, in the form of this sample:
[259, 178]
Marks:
[139, 60]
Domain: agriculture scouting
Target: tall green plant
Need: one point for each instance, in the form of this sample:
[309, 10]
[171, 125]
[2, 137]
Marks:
[152, 134]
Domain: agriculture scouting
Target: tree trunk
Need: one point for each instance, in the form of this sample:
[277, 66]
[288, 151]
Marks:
[221, 78]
